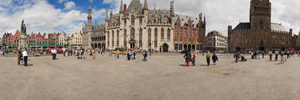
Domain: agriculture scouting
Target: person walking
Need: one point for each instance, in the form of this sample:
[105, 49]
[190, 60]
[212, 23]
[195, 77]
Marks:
[263, 54]
[134, 53]
[288, 54]
[94, 54]
[145, 56]
[128, 56]
[208, 55]
[188, 56]
[52, 52]
[214, 58]
[282, 57]
[270, 54]
[19, 56]
[276, 55]
[25, 55]
[194, 60]
[83, 54]
[118, 54]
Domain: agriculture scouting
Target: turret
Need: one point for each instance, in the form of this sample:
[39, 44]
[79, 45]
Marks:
[121, 7]
[111, 12]
[291, 32]
[172, 8]
[89, 16]
[106, 16]
[145, 5]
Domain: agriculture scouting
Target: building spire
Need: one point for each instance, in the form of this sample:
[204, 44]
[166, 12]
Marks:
[172, 8]
[121, 7]
[89, 6]
[145, 5]
[111, 12]
[106, 16]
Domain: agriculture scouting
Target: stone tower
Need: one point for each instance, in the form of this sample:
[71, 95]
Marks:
[260, 14]
[89, 28]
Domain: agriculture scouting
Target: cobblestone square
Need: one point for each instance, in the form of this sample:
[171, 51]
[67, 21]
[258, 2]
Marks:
[162, 77]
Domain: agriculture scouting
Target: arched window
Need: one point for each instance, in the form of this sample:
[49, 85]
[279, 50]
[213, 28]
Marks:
[155, 32]
[132, 33]
[125, 36]
[169, 34]
[149, 33]
[117, 38]
[162, 33]
[132, 20]
[113, 38]
[108, 39]
[149, 37]
[141, 38]
[155, 37]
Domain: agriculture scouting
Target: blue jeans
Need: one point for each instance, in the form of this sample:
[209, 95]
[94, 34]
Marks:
[193, 62]
[118, 56]
[144, 58]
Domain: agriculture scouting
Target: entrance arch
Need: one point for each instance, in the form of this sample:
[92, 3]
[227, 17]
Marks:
[189, 47]
[95, 46]
[132, 43]
[165, 47]
[99, 46]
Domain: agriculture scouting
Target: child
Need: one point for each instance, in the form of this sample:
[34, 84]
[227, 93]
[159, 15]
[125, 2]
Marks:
[194, 60]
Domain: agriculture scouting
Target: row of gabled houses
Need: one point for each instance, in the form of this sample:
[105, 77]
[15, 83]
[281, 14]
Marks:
[10, 40]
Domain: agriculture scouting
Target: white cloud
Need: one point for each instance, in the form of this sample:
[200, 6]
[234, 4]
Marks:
[91, 1]
[42, 17]
[69, 5]
[219, 13]
[61, 1]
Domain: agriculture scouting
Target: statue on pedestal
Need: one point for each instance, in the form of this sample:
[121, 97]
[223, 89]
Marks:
[23, 27]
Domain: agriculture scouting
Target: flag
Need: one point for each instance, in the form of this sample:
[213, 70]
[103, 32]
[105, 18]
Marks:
[274, 37]
[247, 34]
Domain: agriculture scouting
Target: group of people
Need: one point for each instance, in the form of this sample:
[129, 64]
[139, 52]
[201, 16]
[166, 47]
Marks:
[22, 55]
[257, 54]
[189, 58]
[132, 55]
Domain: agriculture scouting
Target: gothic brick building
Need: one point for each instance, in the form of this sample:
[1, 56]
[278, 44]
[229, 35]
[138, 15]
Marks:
[259, 33]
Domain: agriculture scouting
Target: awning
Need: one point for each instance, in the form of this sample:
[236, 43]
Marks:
[45, 45]
[11, 45]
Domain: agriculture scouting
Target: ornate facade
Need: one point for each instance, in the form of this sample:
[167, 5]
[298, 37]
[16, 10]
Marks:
[260, 33]
[137, 27]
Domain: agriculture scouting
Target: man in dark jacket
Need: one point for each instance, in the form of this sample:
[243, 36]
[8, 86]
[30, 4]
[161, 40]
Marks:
[145, 56]
[19, 55]
[188, 56]
[214, 58]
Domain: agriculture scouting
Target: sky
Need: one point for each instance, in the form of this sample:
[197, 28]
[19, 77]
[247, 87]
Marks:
[70, 15]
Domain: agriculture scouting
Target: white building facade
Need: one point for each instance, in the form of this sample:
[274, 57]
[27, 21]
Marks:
[216, 42]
